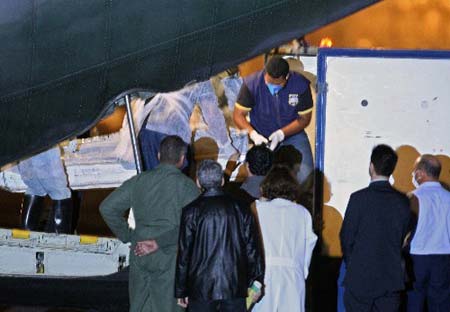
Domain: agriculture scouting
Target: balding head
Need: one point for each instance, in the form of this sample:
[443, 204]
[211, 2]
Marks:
[429, 166]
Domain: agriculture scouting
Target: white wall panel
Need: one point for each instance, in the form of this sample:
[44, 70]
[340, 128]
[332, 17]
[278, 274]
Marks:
[408, 104]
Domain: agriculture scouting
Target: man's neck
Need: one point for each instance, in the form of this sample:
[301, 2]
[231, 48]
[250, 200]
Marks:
[427, 179]
[376, 178]
[177, 165]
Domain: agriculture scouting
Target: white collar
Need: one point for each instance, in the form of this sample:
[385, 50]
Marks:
[379, 179]
[429, 184]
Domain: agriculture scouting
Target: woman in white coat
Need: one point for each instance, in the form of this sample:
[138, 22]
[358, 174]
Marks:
[289, 240]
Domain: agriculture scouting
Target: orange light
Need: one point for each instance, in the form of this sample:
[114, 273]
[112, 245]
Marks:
[326, 43]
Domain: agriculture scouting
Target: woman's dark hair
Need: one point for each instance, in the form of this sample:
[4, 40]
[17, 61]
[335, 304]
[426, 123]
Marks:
[287, 155]
[280, 183]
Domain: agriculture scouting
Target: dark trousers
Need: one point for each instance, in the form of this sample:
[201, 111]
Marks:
[230, 305]
[389, 302]
[149, 142]
[431, 283]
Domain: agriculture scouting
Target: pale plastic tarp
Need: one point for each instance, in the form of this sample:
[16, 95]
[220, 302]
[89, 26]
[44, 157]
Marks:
[231, 86]
[169, 113]
[44, 174]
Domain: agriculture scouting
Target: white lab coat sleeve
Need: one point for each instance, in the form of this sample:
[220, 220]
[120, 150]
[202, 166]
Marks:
[311, 239]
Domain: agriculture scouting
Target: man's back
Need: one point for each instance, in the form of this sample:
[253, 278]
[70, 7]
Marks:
[157, 199]
[218, 250]
[432, 234]
[156, 196]
[375, 225]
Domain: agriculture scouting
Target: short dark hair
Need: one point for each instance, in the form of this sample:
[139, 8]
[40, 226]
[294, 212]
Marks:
[209, 174]
[171, 149]
[280, 183]
[384, 159]
[287, 155]
[259, 159]
[430, 164]
[277, 67]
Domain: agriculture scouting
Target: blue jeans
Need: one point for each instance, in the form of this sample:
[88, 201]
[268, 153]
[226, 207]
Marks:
[340, 288]
[431, 283]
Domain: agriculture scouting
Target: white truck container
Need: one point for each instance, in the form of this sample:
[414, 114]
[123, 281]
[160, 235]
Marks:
[369, 97]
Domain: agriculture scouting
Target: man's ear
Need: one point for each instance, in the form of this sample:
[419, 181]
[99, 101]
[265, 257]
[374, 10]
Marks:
[181, 161]
[419, 174]
[371, 169]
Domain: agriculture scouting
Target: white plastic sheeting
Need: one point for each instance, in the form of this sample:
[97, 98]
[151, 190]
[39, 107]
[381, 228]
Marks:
[44, 174]
[232, 86]
[89, 163]
[169, 113]
[107, 161]
[402, 102]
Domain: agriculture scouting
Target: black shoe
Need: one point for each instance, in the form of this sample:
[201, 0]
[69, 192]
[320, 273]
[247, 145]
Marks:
[60, 218]
[77, 197]
[31, 211]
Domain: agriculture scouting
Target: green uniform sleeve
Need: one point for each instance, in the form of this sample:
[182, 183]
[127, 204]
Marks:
[183, 195]
[113, 209]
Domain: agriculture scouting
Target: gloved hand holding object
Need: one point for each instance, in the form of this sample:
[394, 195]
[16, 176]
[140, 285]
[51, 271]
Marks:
[257, 138]
[276, 138]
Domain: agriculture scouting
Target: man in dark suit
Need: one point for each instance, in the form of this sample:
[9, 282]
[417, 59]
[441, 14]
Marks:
[375, 225]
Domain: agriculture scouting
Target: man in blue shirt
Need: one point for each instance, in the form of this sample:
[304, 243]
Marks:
[430, 245]
[280, 105]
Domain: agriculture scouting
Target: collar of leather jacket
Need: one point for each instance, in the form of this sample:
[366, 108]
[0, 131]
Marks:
[213, 192]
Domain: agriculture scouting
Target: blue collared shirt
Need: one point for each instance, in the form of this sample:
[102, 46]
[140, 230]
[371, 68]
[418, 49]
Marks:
[433, 227]
[268, 112]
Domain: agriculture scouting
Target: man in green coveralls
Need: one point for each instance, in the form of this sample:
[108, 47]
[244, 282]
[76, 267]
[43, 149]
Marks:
[157, 198]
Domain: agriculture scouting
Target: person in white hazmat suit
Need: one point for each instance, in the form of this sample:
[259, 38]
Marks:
[289, 240]
[44, 174]
[168, 114]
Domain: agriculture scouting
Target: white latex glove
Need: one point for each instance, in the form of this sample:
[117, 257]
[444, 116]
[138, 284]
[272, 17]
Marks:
[257, 138]
[276, 138]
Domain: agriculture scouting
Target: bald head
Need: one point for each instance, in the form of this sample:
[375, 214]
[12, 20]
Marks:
[429, 165]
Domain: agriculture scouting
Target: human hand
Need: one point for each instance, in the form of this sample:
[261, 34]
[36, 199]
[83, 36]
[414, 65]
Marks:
[145, 247]
[257, 138]
[276, 138]
[183, 302]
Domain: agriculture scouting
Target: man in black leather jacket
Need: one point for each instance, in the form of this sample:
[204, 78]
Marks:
[219, 248]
